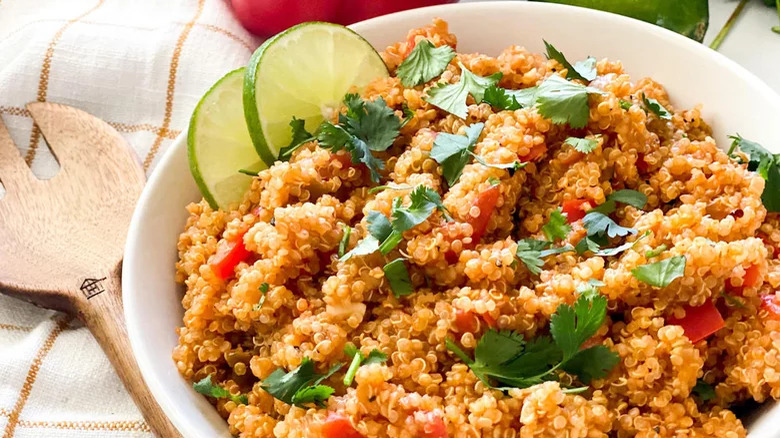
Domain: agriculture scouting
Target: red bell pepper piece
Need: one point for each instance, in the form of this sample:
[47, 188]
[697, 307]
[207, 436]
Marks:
[486, 202]
[339, 426]
[229, 254]
[575, 209]
[699, 322]
[750, 279]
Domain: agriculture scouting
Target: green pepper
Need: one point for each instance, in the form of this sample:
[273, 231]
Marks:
[688, 17]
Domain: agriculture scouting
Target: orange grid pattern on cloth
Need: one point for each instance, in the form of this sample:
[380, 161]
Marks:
[139, 66]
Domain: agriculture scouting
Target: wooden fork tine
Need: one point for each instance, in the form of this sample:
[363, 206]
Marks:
[13, 170]
[63, 127]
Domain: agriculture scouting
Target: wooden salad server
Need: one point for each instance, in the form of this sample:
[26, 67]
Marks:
[61, 240]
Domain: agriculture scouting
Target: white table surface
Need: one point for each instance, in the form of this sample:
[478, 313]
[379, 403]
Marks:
[751, 41]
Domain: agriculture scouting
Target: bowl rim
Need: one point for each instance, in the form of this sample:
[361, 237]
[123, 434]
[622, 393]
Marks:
[133, 319]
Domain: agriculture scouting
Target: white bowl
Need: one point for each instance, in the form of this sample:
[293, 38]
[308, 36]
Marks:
[734, 101]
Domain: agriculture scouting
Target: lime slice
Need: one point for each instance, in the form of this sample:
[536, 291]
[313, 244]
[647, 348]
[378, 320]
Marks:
[305, 72]
[218, 143]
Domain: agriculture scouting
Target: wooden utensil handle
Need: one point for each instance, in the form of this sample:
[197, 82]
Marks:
[103, 314]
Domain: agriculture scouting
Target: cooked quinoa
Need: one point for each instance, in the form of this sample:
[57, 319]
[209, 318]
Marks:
[701, 204]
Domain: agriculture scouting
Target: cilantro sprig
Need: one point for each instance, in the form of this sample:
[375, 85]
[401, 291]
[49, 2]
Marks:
[452, 151]
[452, 97]
[358, 360]
[300, 386]
[398, 276]
[582, 70]
[424, 63]
[765, 164]
[367, 127]
[703, 390]
[661, 274]
[206, 387]
[533, 251]
[557, 227]
[385, 235]
[511, 100]
[584, 145]
[504, 359]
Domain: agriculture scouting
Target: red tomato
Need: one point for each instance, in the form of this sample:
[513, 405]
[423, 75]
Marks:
[268, 17]
[489, 320]
[486, 201]
[699, 322]
[353, 11]
[576, 209]
[229, 254]
[466, 321]
[339, 426]
[770, 303]
[433, 426]
[750, 279]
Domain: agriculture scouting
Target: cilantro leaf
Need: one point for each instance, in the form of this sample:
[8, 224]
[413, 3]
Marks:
[452, 151]
[557, 250]
[206, 387]
[375, 124]
[424, 63]
[631, 197]
[609, 252]
[562, 101]
[367, 246]
[767, 165]
[336, 137]
[583, 70]
[300, 386]
[592, 363]
[703, 390]
[599, 224]
[378, 225]
[529, 251]
[497, 347]
[333, 137]
[557, 226]
[539, 354]
[660, 274]
[408, 114]
[590, 289]
[656, 108]
[584, 145]
[626, 105]
[344, 240]
[571, 326]
[452, 97]
[375, 356]
[424, 201]
[299, 136]
[499, 98]
[590, 243]
[398, 277]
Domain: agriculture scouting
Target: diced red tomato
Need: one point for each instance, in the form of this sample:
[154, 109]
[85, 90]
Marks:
[339, 426]
[771, 304]
[641, 164]
[433, 426]
[489, 320]
[466, 321]
[536, 152]
[451, 257]
[486, 202]
[575, 209]
[750, 279]
[699, 322]
[229, 254]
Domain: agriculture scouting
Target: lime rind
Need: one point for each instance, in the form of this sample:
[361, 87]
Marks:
[218, 143]
[303, 72]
